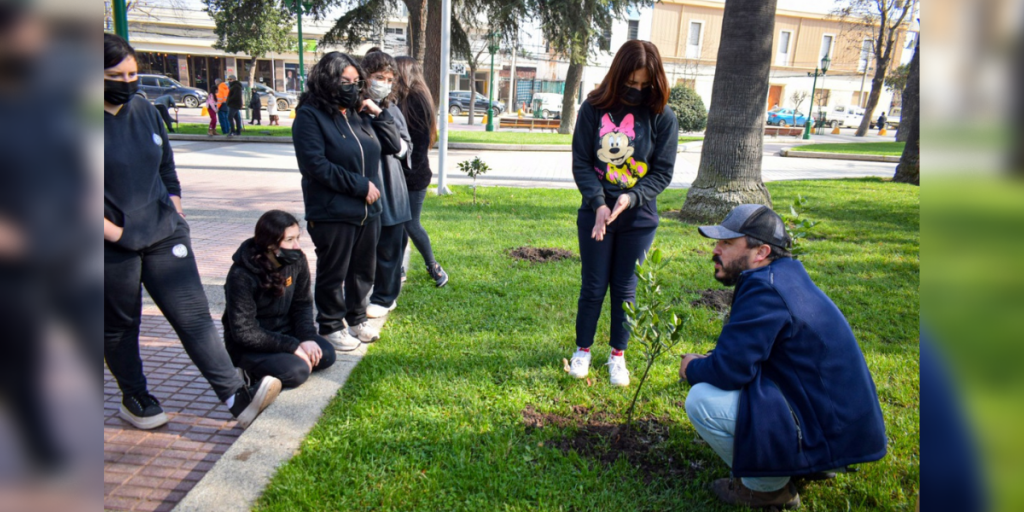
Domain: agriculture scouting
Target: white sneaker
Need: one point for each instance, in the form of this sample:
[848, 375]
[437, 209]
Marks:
[343, 341]
[365, 332]
[377, 311]
[579, 365]
[617, 369]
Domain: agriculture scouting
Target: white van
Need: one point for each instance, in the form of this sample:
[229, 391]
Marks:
[550, 104]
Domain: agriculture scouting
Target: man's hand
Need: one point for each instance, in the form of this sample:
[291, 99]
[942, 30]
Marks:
[373, 195]
[686, 362]
[620, 206]
[313, 353]
[600, 223]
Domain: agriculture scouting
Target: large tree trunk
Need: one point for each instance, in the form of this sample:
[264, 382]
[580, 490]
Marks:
[730, 162]
[432, 55]
[572, 87]
[252, 72]
[876, 91]
[909, 168]
[472, 93]
[417, 28]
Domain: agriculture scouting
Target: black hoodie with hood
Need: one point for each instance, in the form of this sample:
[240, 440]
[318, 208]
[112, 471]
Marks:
[257, 321]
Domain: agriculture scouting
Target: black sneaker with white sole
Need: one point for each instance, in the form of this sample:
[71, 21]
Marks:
[438, 274]
[142, 410]
[250, 401]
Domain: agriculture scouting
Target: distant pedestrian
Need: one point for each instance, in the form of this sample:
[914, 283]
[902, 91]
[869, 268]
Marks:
[417, 106]
[339, 138]
[623, 156]
[222, 108]
[211, 110]
[881, 121]
[394, 195]
[235, 91]
[268, 320]
[256, 107]
[163, 105]
[147, 243]
[272, 109]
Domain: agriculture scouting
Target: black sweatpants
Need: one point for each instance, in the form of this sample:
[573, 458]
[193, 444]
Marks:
[346, 254]
[166, 115]
[168, 271]
[289, 368]
[387, 282]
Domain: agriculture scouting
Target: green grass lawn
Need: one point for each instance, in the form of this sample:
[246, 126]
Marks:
[498, 137]
[856, 148]
[432, 418]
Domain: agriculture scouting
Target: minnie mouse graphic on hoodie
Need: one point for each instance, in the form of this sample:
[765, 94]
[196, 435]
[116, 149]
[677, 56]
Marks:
[629, 150]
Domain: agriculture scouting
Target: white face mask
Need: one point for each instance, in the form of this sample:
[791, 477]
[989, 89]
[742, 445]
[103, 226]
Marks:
[379, 90]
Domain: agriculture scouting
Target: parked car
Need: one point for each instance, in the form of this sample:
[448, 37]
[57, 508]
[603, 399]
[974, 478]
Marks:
[154, 86]
[892, 120]
[458, 102]
[550, 104]
[786, 117]
[285, 100]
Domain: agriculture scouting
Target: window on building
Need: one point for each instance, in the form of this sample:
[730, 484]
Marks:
[605, 41]
[826, 47]
[693, 40]
[865, 55]
[782, 55]
[395, 31]
[634, 29]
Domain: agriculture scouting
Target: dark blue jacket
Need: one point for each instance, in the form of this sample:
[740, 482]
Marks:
[807, 401]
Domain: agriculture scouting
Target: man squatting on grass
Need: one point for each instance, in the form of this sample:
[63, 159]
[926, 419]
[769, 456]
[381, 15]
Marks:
[786, 392]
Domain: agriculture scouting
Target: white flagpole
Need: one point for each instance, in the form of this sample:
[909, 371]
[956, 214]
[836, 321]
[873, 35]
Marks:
[442, 108]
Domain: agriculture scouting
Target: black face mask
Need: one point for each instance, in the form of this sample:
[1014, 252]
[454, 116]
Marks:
[347, 95]
[636, 97]
[116, 92]
[289, 256]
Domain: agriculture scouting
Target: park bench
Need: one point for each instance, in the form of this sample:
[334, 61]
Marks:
[775, 131]
[530, 122]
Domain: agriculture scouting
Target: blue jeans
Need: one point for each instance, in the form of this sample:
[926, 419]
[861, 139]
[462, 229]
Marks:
[610, 264]
[713, 413]
[235, 116]
[222, 118]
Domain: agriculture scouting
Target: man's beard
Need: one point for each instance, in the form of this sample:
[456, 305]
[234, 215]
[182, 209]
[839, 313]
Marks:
[731, 272]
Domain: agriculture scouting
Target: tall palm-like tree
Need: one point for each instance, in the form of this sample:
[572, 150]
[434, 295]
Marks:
[730, 162]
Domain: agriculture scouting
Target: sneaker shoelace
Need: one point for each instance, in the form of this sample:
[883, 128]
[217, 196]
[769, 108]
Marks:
[576, 363]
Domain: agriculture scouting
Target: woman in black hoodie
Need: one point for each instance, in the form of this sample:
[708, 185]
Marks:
[147, 243]
[268, 322]
[623, 156]
[339, 138]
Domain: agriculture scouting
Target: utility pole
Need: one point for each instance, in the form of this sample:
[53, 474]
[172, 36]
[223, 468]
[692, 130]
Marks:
[825, 61]
[442, 108]
[512, 83]
[120, 18]
[493, 47]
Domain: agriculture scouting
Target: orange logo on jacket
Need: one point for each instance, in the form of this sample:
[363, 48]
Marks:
[288, 282]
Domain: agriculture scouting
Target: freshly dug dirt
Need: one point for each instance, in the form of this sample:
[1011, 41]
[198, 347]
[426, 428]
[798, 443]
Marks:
[540, 254]
[715, 298]
[604, 437]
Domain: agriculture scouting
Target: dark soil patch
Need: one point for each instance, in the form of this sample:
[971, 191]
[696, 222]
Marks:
[605, 437]
[540, 254]
[715, 298]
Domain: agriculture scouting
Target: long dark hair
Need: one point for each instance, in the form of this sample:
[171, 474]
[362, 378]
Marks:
[378, 61]
[324, 78]
[270, 231]
[115, 50]
[633, 55]
[413, 97]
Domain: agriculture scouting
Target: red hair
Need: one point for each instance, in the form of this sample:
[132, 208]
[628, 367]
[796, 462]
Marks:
[633, 55]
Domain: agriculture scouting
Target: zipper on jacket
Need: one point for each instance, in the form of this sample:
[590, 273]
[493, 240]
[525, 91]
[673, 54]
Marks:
[362, 159]
[796, 423]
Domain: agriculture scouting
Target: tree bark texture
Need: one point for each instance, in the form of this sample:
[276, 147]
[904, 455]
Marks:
[252, 71]
[472, 93]
[572, 81]
[909, 168]
[432, 52]
[417, 28]
[730, 163]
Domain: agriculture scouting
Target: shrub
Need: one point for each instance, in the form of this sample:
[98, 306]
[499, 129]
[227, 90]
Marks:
[689, 109]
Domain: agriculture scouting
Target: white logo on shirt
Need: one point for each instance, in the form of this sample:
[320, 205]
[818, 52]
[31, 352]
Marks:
[157, 139]
[180, 250]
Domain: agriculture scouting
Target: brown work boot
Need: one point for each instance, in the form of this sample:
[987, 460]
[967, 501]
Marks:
[733, 492]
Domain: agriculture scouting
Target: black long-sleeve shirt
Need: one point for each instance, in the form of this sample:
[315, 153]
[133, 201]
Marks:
[417, 171]
[139, 175]
[626, 150]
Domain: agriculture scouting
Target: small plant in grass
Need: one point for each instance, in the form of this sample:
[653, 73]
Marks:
[650, 321]
[798, 226]
[474, 168]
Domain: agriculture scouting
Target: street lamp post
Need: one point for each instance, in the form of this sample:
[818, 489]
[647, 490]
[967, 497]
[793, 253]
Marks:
[825, 61]
[493, 47]
[120, 18]
[297, 7]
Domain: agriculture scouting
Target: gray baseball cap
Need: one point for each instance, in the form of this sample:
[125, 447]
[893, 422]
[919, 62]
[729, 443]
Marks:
[232, 77]
[756, 220]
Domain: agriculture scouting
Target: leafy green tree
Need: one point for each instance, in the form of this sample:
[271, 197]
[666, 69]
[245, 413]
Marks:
[897, 80]
[689, 109]
[251, 27]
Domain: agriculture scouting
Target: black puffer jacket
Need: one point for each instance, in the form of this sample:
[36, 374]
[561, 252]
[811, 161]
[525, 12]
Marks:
[256, 321]
[235, 91]
[338, 157]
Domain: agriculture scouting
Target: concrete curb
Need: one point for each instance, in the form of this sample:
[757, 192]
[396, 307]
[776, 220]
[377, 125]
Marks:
[451, 145]
[238, 479]
[840, 156]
